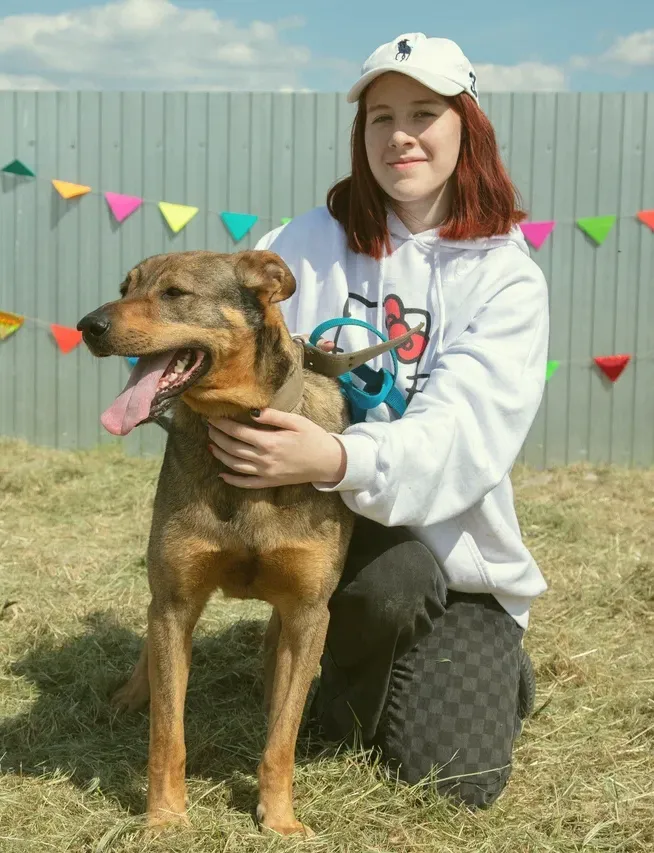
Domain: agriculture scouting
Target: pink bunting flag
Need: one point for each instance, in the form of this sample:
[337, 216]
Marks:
[122, 206]
[537, 232]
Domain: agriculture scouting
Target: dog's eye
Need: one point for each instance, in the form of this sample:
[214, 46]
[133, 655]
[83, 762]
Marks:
[172, 293]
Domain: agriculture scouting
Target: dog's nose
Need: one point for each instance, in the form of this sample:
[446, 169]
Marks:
[93, 325]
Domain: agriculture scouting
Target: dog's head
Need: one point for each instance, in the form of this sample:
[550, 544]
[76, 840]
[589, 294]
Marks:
[196, 320]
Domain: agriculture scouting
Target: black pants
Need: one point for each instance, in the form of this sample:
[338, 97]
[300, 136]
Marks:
[431, 678]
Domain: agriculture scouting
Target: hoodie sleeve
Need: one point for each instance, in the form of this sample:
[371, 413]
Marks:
[458, 438]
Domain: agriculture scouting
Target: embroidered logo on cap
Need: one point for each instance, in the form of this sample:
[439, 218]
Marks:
[473, 85]
[403, 50]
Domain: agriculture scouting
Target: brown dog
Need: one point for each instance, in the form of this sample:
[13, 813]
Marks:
[212, 340]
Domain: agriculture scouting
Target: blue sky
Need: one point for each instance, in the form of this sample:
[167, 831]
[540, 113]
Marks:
[579, 45]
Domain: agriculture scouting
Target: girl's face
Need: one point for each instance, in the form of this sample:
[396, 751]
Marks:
[412, 139]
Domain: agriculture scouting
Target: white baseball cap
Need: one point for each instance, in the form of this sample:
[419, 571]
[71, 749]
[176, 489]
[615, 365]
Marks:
[437, 63]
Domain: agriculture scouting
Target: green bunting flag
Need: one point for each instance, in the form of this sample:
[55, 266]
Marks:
[18, 168]
[552, 367]
[597, 227]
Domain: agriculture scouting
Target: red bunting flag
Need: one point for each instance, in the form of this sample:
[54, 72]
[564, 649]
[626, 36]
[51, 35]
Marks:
[67, 339]
[612, 365]
[647, 216]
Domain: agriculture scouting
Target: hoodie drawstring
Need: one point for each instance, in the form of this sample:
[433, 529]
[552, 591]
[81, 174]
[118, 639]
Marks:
[379, 321]
[441, 306]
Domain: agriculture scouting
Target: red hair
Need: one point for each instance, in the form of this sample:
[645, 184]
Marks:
[484, 200]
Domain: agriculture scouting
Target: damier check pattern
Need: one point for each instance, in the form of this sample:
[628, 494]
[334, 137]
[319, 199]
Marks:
[452, 707]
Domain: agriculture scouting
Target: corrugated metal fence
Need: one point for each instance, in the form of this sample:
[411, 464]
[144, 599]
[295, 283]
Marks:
[275, 155]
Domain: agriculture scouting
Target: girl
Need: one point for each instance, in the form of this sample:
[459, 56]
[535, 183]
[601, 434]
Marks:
[424, 649]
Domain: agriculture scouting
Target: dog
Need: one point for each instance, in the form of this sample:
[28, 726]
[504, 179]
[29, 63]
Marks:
[212, 343]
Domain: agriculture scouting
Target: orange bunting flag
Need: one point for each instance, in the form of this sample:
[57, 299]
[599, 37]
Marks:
[66, 338]
[67, 190]
[612, 365]
[9, 323]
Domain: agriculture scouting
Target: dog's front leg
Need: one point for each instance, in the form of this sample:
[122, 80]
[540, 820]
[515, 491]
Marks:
[170, 629]
[300, 644]
[270, 642]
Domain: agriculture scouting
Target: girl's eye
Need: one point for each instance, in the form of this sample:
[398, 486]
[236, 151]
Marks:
[380, 119]
[426, 113]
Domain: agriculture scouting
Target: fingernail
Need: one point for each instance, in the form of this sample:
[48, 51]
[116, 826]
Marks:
[210, 448]
[255, 413]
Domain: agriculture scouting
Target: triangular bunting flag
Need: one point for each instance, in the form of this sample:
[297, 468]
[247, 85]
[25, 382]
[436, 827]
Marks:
[597, 227]
[612, 365]
[132, 360]
[177, 215]
[285, 219]
[67, 190]
[18, 168]
[647, 216]
[9, 323]
[537, 232]
[122, 205]
[238, 224]
[552, 367]
[66, 338]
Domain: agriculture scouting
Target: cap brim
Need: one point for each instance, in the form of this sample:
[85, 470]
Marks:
[438, 84]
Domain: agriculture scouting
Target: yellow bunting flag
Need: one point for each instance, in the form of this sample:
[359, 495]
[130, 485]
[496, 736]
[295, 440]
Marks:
[67, 190]
[9, 323]
[177, 215]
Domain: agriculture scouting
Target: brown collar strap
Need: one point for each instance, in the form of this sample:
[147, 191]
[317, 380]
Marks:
[328, 364]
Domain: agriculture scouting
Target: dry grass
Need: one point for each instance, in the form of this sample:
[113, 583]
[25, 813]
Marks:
[73, 529]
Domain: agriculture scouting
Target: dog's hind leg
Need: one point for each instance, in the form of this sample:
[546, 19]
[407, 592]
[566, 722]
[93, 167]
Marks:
[270, 641]
[301, 641]
[170, 628]
[135, 693]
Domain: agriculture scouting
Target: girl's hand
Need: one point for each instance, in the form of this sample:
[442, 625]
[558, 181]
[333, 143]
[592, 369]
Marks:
[299, 451]
[323, 343]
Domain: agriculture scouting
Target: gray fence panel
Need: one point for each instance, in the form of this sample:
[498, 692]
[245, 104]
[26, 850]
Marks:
[276, 155]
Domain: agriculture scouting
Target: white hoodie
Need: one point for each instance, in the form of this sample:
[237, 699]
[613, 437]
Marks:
[473, 387]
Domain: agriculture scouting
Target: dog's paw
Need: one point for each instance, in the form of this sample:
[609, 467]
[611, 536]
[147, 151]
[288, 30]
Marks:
[292, 828]
[160, 820]
[288, 826]
[132, 696]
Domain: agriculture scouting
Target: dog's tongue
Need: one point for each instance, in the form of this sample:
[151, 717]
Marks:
[133, 405]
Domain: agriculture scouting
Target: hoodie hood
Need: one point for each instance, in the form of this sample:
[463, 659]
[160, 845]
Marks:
[400, 234]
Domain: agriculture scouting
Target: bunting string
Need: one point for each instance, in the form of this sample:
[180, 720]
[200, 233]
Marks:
[122, 206]
[239, 224]
[68, 339]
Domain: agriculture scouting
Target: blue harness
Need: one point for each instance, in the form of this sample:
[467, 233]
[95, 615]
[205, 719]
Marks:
[379, 384]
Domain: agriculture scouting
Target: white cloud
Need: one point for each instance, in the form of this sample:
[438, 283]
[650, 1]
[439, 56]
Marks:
[634, 49]
[147, 44]
[523, 77]
[24, 82]
[626, 52]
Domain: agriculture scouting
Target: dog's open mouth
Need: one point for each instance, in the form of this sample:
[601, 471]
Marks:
[153, 382]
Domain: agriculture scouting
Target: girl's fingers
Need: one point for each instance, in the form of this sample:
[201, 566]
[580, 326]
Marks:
[323, 343]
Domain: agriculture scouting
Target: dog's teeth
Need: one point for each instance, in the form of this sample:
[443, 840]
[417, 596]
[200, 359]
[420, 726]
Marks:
[180, 367]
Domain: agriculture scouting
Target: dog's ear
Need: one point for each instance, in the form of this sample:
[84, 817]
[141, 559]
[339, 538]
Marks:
[267, 274]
